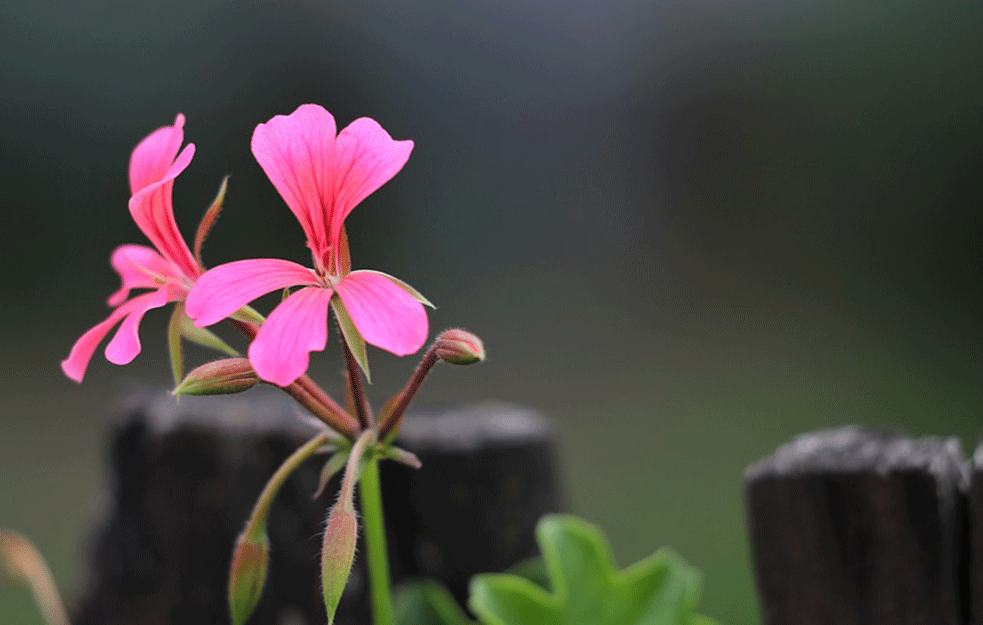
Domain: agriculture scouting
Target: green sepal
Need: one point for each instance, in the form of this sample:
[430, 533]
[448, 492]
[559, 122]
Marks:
[204, 337]
[397, 454]
[416, 294]
[248, 314]
[351, 335]
[331, 467]
[208, 220]
[428, 602]
[174, 342]
[586, 588]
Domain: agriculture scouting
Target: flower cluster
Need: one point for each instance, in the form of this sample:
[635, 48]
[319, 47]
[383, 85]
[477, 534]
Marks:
[322, 176]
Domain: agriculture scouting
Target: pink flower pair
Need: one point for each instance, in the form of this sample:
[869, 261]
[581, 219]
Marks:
[170, 270]
[321, 177]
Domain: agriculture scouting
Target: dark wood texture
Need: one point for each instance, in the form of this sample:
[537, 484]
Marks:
[856, 527]
[185, 477]
[976, 538]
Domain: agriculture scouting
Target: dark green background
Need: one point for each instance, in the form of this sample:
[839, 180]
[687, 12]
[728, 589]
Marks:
[687, 230]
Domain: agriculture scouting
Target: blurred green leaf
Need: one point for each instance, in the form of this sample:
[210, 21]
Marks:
[586, 587]
[428, 602]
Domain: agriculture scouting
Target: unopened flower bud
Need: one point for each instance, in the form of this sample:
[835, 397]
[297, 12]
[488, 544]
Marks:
[460, 347]
[337, 555]
[249, 564]
[219, 377]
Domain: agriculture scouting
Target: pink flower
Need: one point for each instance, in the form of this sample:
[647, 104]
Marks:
[321, 177]
[169, 271]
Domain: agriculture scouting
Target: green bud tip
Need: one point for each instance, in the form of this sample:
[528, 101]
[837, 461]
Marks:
[219, 377]
[460, 347]
[337, 555]
[249, 565]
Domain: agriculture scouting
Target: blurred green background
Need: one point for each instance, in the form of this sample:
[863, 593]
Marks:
[687, 230]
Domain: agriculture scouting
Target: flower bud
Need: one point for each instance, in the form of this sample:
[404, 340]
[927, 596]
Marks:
[249, 564]
[219, 377]
[337, 555]
[460, 347]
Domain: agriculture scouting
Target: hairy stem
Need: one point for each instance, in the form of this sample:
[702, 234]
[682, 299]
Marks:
[256, 526]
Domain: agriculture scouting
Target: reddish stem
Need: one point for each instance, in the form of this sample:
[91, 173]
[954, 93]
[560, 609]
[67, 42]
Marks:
[395, 418]
[311, 396]
[362, 410]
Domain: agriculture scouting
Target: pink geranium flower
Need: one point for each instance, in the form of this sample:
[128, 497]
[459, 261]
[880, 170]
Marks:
[169, 270]
[321, 177]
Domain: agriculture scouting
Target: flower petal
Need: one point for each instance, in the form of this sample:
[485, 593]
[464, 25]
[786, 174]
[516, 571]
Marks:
[125, 345]
[384, 313]
[153, 156]
[153, 212]
[78, 359]
[366, 158]
[297, 152]
[281, 350]
[221, 291]
[139, 267]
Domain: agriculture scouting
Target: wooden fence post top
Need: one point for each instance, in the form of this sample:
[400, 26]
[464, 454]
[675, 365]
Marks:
[854, 449]
[854, 526]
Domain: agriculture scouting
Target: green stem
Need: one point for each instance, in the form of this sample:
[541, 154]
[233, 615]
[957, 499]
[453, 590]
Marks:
[375, 543]
[256, 526]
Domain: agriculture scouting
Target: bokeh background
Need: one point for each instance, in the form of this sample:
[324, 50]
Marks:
[686, 230]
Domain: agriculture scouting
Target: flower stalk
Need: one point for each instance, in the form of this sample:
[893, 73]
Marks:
[251, 557]
[341, 533]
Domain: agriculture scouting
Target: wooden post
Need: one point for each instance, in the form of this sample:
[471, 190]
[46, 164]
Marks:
[856, 527]
[185, 477]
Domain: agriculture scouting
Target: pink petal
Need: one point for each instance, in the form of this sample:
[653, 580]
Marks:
[78, 359]
[384, 313]
[125, 345]
[139, 267]
[153, 212]
[221, 291]
[153, 156]
[366, 158]
[281, 350]
[297, 153]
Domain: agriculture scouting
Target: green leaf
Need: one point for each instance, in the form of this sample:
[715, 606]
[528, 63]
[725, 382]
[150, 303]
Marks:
[428, 602]
[351, 335]
[585, 586]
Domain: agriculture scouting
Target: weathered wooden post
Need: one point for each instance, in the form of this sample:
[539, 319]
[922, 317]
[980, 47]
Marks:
[856, 527]
[185, 477]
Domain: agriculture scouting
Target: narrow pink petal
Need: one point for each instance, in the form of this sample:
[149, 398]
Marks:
[140, 267]
[384, 313]
[367, 158]
[281, 350]
[125, 345]
[153, 212]
[78, 359]
[297, 153]
[221, 291]
[153, 156]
